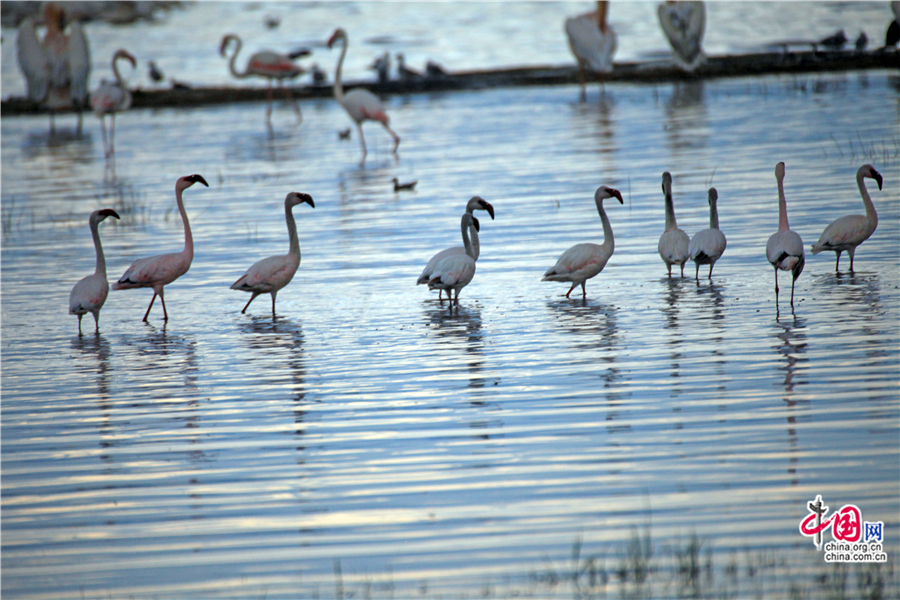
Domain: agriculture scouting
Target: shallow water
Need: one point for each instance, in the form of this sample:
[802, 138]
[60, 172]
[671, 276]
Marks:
[371, 441]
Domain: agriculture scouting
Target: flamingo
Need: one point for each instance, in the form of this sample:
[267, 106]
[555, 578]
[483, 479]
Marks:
[89, 294]
[785, 248]
[57, 68]
[271, 274]
[673, 243]
[583, 261]
[455, 271]
[592, 41]
[850, 231]
[708, 245]
[157, 271]
[360, 104]
[111, 98]
[474, 203]
[684, 24]
[268, 64]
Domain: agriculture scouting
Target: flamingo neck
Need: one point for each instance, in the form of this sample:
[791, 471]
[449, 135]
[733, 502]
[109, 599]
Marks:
[338, 87]
[98, 247]
[188, 238]
[713, 216]
[670, 212]
[608, 240]
[465, 225]
[231, 61]
[782, 207]
[476, 244]
[871, 215]
[115, 69]
[294, 249]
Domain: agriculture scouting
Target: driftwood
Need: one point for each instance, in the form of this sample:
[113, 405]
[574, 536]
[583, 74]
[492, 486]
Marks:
[658, 72]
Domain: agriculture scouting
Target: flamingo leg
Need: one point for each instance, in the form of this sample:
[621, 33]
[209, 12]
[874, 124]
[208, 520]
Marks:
[269, 101]
[103, 132]
[776, 285]
[792, 292]
[682, 269]
[395, 136]
[163, 300]
[362, 140]
[837, 263]
[697, 272]
[96, 323]
[851, 251]
[79, 325]
[581, 80]
[293, 101]
[583, 290]
[146, 314]
[112, 134]
[711, 265]
[570, 289]
[252, 297]
[273, 304]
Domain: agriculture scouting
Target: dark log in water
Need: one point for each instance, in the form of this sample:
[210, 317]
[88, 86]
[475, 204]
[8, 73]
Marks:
[655, 72]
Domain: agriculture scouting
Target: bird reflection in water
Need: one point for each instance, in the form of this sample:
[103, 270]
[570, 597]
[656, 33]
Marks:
[96, 352]
[686, 119]
[791, 343]
[674, 291]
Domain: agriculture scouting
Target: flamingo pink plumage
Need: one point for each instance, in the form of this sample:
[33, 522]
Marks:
[849, 231]
[158, 271]
[673, 243]
[360, 104]
[474, 203]
[89, 294]
[111, 98]
[784, 250]
[273, 273]
[583, 261]
[268, 64]
[708, 245]
[456, 271]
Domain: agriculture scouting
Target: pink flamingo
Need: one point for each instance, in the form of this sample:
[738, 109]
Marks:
[268, 64]
[850, 231]
[56, 68]
[456, 271]
[784, 250]
[475, 203]
[360, 104]
[673, 243]
[111, 98]
[158, 271]
[583, 261]
[708, 245]
[89, 294]
[271, 274]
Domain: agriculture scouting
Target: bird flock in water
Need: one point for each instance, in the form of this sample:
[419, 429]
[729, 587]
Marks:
[593, 43]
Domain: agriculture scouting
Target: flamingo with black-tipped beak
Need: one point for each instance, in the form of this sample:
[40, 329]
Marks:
[89, 294]
[110, 98]
[265, 63]
[784, 250]
[273, 273]
[158, 271]
[583, 261]
[708, 245]
[850, 231]
[474, 203]
[456, 271]
[360, 104]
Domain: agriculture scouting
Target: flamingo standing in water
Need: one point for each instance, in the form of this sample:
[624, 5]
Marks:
[360, 104]
[271, 274]
[57, 68]
[673, 243]
[708, 245]
[89, 294]
[157, 271]
[850, 231]
[684, 24]
[456, 271]
[784, 250]
[583, 261]
[593, 42]
[474, 203]
[268, 64]
[111, 98]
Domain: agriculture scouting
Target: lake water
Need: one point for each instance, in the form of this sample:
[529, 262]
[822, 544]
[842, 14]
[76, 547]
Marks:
[660, 438]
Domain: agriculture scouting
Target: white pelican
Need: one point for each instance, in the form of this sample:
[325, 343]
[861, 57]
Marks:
[684, 24]
[110, 98]
[850, 231]
[360, 104]
[89, 294]
[455, 271]
[673, 243]
[583, 261]
[784, 250]
[708, 245]
[58, 67]
[158, 271]
[271, 274]
[474, 203]
[593, 42]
